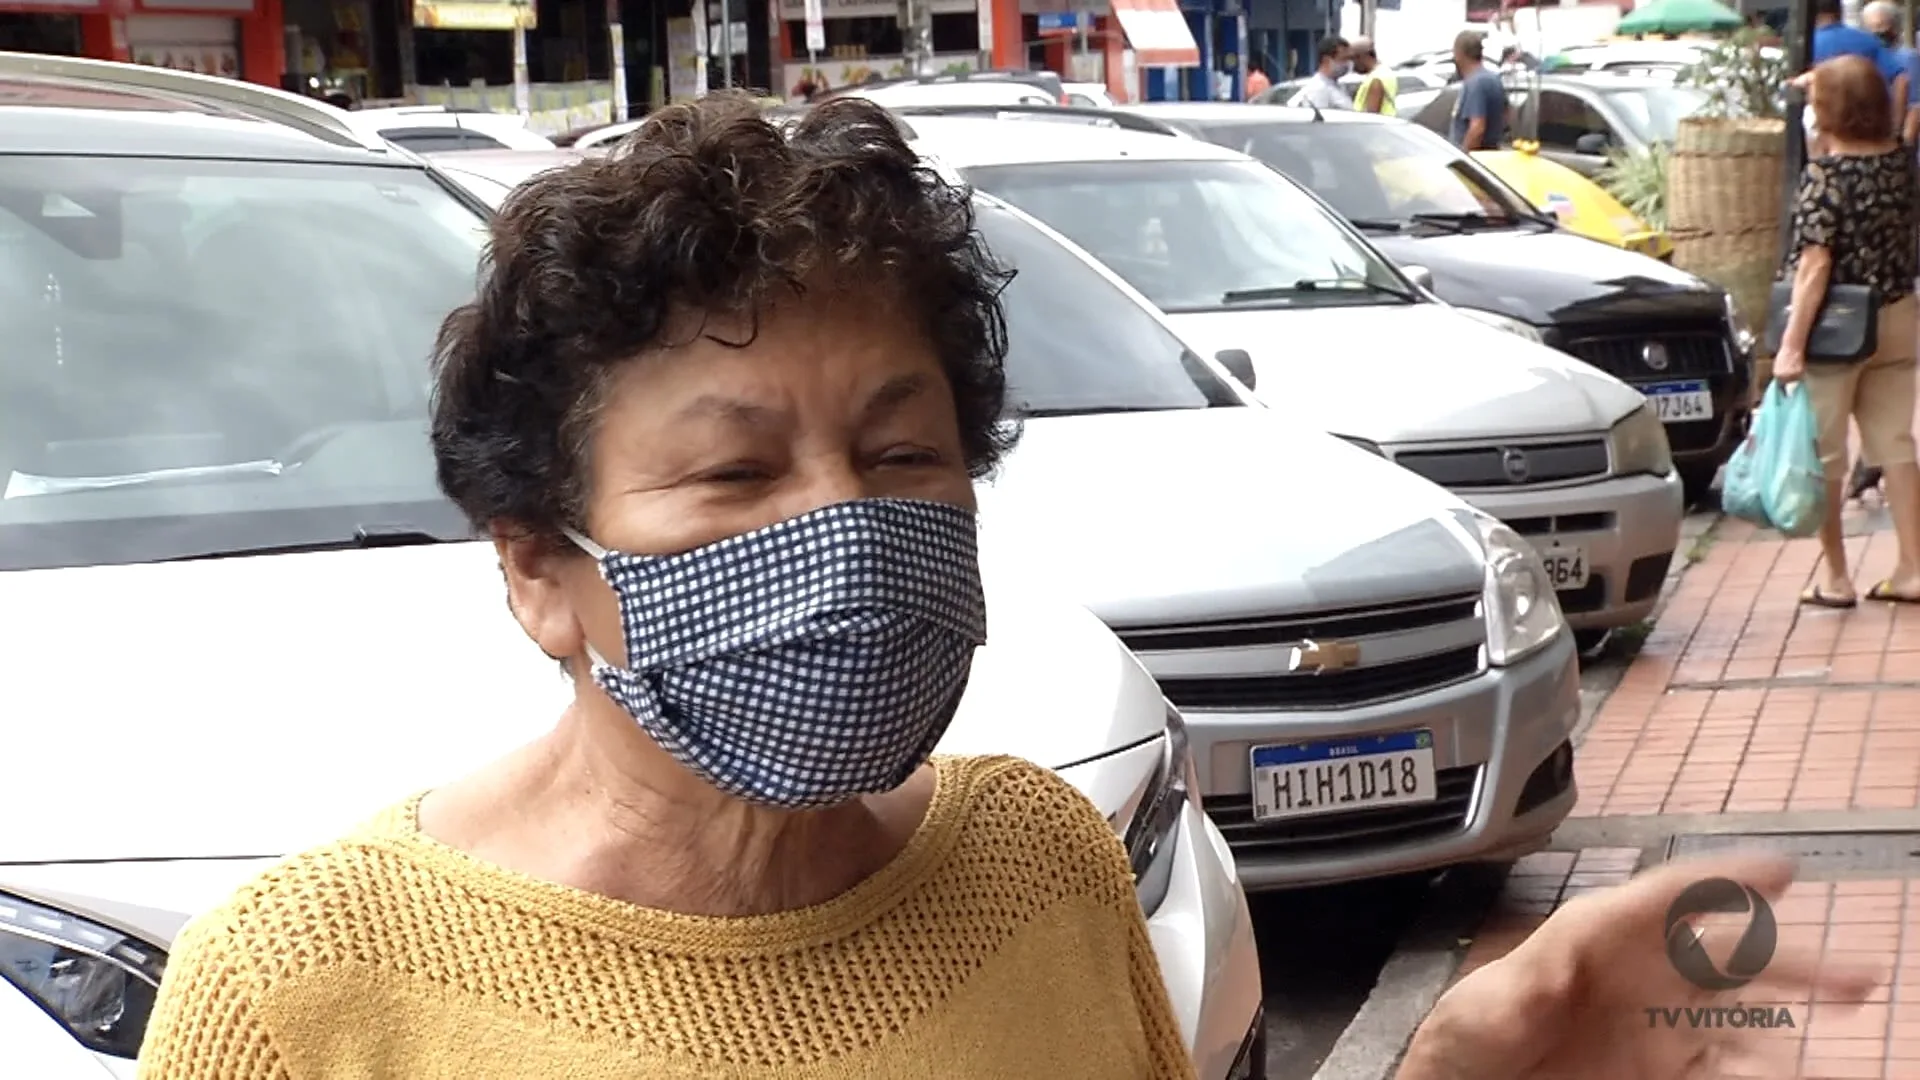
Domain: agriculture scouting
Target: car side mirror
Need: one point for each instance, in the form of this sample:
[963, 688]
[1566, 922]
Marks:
[1238, 364]
[1419, 275]
[1592, 142]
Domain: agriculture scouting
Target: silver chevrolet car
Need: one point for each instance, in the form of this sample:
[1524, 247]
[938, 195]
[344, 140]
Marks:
[1376, 677]
[1253, 270]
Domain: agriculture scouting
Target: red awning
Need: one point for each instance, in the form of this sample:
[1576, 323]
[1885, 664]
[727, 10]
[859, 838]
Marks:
[1158, 33]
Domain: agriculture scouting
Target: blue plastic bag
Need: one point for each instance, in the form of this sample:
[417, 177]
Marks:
[1775, 479]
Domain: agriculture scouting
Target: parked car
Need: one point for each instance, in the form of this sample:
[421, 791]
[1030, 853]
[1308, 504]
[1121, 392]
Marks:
[1089, 95]
[491, 174]
[426, 129]
[1422, 202]
[1578, 120]
[1252, 268]
[1153, 488]
[959, 88]
[218, 491]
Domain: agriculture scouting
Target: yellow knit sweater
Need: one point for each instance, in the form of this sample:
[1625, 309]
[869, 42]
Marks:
[1004, 941]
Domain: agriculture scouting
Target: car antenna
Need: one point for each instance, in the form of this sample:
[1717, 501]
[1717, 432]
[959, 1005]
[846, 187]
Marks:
[1317, 118]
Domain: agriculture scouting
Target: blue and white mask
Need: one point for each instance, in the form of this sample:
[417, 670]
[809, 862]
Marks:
[807, 663]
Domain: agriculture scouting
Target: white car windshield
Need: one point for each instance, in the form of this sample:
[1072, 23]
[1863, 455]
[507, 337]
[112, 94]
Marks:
[1079, 344]
[1202, 235]
[1379, 175]
[207, 357]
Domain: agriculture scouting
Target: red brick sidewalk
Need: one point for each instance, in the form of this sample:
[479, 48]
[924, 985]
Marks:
[1779, 718]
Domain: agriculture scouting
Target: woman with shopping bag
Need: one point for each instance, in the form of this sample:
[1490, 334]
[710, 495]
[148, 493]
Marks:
[1844, 312]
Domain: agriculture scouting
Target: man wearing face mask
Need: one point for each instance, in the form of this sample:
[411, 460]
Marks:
[1323, 89]
[1882, 19]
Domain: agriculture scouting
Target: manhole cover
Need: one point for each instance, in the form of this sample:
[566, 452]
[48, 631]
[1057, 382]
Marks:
[1820, 854]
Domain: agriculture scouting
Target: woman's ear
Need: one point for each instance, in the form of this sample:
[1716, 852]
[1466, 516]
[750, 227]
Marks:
[543, 586]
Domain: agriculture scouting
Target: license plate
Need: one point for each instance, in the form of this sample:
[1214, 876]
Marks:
[1305, 779]
[1566, 564]
[1677, 402]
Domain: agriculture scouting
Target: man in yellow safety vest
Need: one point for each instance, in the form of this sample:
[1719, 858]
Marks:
[1379, 86]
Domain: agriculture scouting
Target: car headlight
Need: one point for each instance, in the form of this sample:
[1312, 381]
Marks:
[98, 981]
[1638, 444]
[1523, 614]
[1150, 821]
[1506, 322]
[1738, 326]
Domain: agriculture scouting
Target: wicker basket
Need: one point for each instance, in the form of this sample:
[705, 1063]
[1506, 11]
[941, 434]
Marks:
[1723, 207]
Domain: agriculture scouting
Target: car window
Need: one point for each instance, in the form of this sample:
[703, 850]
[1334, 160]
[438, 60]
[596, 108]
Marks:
[1653, 113]
[1199, 235]
[1374, 172]
[1565, 117]
[1111, 356]
[441, 140]
[207, 356]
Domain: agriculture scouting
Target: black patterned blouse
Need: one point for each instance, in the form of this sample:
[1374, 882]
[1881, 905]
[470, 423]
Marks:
[1862, 209]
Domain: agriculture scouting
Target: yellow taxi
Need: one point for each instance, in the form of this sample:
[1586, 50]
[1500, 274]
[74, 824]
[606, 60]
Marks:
[1580, 204]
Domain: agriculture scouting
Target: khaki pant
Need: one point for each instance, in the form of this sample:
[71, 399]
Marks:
[1877, 393]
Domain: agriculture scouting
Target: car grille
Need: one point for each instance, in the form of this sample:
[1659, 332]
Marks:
[1514, 465]
[1633, 357]
[1356, 829]
[1446, 633]
[1378, 682]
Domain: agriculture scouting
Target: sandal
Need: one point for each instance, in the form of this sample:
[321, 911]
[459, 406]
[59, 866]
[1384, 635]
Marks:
[1883, 593]
[1815, 596]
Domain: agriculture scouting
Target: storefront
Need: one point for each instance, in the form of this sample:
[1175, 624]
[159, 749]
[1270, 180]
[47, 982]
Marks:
[239, 39]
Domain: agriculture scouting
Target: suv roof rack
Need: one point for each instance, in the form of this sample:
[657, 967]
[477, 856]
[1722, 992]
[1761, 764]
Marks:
[1056, 113]
[315, 118]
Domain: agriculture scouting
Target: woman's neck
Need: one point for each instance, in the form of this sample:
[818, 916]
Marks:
[597, 806]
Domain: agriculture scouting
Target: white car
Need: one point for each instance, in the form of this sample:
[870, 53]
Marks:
[1306, 605]
[1255, 271]
[426, 129]
[1089, 95]
[235, 594]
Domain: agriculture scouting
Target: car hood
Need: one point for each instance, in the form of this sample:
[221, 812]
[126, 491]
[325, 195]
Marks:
[1546, 278]
[1412, 372]
[255, 706]
[1179, 516]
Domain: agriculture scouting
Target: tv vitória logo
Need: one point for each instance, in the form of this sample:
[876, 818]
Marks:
[1719, 896]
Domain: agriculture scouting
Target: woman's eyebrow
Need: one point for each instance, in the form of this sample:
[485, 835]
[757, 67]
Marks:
[721, 407]
[892, 394]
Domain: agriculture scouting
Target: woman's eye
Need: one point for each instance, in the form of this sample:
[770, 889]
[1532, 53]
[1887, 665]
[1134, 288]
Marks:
[910, 456]
[735, 474]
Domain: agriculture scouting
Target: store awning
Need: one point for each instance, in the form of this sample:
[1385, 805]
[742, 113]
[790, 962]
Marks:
[1158, 33]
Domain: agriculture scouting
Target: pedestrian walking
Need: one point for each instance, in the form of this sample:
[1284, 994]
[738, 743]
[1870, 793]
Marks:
[1323, 89]
[1257, 83]
[1379, 86]
[1881, 18]
[1480, 111]
[1854, 223]
[1832, 39]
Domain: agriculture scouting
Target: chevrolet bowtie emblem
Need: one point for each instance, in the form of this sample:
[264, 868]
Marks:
[1320, 657]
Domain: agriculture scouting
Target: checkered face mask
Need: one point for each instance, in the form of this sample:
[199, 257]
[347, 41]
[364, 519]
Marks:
[806, 663]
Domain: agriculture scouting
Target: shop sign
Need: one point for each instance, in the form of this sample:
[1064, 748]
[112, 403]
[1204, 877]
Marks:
[796, 10]
[474, 14]
[222, 60]
[828, 74]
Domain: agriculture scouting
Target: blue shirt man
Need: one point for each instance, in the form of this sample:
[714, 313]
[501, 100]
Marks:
[1835, 38]
[1480, 113]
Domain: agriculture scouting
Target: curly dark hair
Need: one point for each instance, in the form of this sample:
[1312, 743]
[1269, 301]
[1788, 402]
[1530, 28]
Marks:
[709, 209]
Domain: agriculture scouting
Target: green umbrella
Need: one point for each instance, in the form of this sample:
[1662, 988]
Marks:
[1680, 17]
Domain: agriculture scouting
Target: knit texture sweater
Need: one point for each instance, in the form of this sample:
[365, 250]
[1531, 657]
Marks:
[1004, 941]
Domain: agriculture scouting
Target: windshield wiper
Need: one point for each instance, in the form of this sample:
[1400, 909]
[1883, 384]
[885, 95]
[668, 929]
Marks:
[22, 485]
[1084, 410]
[364, 536]
[1315, 285]
[1385, 225]
[1478, 220]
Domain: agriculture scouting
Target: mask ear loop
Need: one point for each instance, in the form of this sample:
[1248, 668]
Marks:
[599, 555]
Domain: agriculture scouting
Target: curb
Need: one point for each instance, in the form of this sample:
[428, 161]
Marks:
[1426, 957]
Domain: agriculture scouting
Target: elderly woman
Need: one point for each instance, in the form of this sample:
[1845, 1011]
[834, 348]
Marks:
[720, 403]
[1854, 223]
